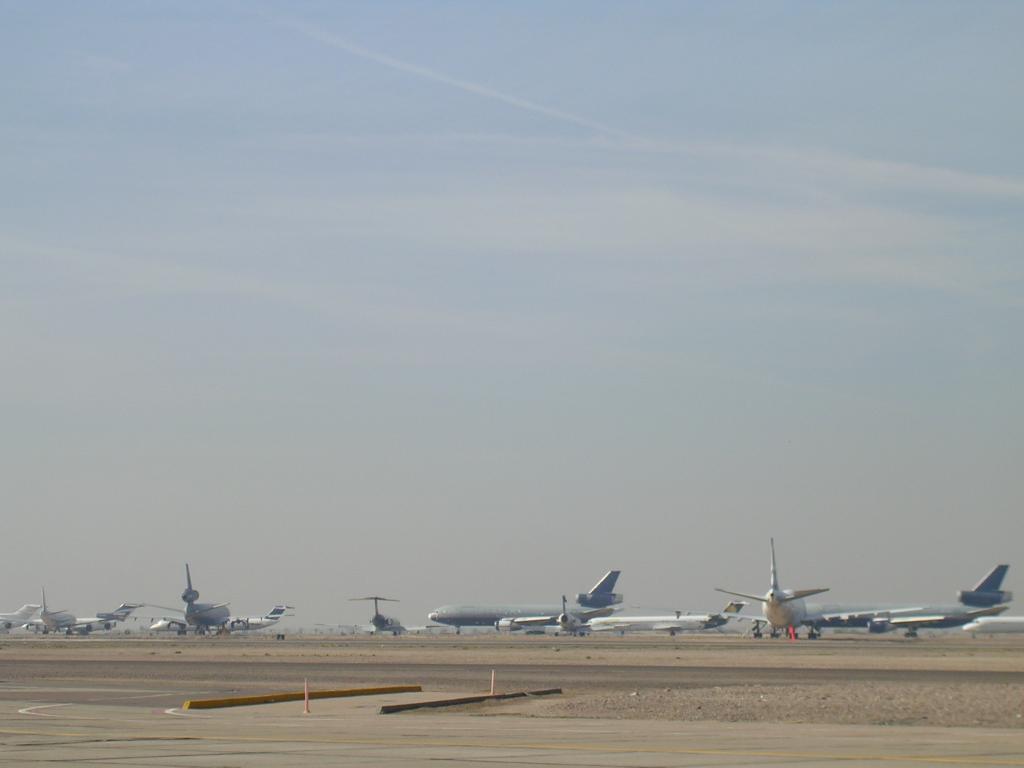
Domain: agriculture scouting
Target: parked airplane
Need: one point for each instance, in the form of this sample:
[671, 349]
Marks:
[249, 623]
[601, 598]
[379, 621]
[66, 622]
[572, 621]
[787, 610]
[17, 618]
[212, 617]
[672, 624]
[987, 598]
[234, 623]
[995, 625]
[198, 617]
[783, 608]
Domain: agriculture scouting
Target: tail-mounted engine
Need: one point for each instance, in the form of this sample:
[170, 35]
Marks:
[984, 599]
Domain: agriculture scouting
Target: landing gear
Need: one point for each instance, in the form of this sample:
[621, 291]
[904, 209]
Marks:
[813, 633]
[912, 632]
[774, 633]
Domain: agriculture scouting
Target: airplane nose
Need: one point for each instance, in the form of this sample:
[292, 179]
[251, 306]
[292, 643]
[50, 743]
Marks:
[432, 615]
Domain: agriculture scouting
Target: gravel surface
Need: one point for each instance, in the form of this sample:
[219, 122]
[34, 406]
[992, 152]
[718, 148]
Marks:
[950, 681]
[993, 706]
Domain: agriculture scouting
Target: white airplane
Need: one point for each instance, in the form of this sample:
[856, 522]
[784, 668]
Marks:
[572, 622]
[379, 623]
[232, 624]
[673, 624]
[17, 618]
[786, 610]
[783, 608]
[66, 622]
[992, 625]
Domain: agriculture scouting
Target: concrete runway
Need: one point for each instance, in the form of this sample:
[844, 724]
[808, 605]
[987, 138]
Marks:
[62, 703]
[133, 728]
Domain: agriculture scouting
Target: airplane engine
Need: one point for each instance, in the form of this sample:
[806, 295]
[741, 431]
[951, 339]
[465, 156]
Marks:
[599, 600]
[507, 625]
[8, 624]
[108, 625]
[878, 626]
[983, 599]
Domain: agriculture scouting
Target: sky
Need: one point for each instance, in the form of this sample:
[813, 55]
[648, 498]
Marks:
[459, 301]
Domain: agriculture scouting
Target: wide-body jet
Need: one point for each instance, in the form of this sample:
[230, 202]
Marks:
[787, 610]
[598, 601]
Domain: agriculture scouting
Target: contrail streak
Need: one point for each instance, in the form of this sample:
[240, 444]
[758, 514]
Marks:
[466, 86]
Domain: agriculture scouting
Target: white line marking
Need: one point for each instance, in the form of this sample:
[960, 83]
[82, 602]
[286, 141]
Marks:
[32, 710]
[177, 712]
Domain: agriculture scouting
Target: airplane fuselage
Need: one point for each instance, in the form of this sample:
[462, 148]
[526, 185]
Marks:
[207, 615]
[992, 625]
[782, 613]
[665, 623]
[489, 615]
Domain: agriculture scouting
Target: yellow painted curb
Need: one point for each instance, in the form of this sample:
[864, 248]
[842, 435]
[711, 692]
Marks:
[274, 698]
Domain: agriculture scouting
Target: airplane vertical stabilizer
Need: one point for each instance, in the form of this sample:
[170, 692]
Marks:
[775, 573]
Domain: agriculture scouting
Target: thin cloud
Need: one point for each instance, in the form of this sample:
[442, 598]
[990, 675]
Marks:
[871, 171]
[335, 41]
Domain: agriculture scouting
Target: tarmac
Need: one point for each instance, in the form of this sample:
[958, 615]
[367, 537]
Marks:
[57, 705]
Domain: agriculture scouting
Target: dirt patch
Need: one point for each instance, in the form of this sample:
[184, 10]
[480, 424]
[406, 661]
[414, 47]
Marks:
[997, 706]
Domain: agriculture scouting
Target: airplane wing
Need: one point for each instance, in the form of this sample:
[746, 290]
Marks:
[533, 621]
[209, 608]
[165, 608]
[856, 618]
[624, 624]
[168, 624]
[801, 593]
[940, 618]
[693, 623]
[593, 613]
[552, 619]
[758, 598]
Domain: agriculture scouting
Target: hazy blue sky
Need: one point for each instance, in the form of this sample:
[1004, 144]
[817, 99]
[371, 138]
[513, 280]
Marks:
[449, 301]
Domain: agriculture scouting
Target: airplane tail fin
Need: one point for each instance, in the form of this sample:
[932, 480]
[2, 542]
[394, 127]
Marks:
[606, 584]
[993, 580]
[989, 590]
[277, 612]
[775, 573]
[734, 606]
[190, 595]
[26, 611]
[601, 594]
[124, 610]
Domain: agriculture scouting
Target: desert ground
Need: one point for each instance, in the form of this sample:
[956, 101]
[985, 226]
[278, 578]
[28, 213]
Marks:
[627, 701]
